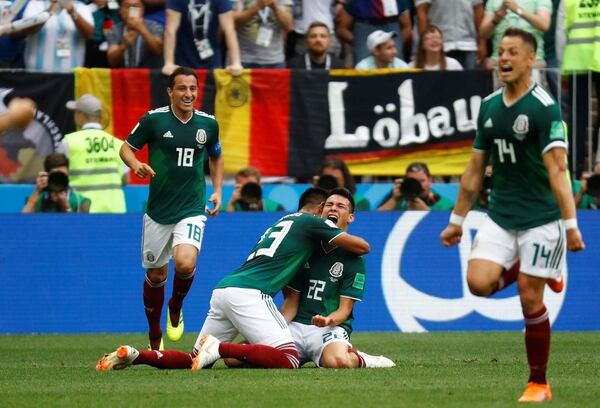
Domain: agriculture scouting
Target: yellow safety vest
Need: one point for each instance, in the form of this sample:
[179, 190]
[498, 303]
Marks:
[582, 25]
[95, 168]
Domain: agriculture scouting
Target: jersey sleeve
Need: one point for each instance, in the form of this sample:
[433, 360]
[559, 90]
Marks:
[551, 129]
[481, 142]
[141, 133]
[353, 285]
[214, 146]
[321, 229]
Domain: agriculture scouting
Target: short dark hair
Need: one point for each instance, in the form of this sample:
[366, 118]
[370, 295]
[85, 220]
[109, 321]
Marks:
[343, 192]
[316, 24]
[418, 166]
[526, 36]
[186, 71]
[312, 196]
[55, 160]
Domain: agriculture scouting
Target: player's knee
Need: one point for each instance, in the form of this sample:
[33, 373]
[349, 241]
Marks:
[185, 266]
[478, 287]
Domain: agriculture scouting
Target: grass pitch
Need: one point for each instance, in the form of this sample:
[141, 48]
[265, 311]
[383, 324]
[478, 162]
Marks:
[433, 370]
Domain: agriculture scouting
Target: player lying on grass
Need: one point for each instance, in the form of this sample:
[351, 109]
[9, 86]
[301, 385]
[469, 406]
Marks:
[242, 301]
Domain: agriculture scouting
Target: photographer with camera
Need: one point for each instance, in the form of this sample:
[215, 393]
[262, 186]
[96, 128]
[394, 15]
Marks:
[413, 192]
[247, 195]
[52, 193]
[588, 196]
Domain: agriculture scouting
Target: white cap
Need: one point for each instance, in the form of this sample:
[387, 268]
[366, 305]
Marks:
[378, 37]
[87, 103]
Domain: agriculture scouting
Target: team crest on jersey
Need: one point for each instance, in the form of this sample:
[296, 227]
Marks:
[336, 270]
[521, 127]
[201, 136]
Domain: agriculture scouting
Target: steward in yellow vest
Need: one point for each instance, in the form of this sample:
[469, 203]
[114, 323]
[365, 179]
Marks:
[96, 169]
[582, 27]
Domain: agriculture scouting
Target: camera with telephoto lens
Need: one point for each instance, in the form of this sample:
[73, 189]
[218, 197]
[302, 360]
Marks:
[251, 197]
[593, 185]
[57, 182]
[411, 188]
[327, 182]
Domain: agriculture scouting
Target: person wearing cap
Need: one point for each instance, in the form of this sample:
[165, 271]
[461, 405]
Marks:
[52, 193]
[96, 168]
[383, 52]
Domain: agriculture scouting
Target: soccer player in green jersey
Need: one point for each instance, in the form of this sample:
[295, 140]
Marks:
[320, 299]
[178, 138]
[532, 216]
[242, 302]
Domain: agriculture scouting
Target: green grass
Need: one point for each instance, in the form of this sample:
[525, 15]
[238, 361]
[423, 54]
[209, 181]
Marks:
[433, 370]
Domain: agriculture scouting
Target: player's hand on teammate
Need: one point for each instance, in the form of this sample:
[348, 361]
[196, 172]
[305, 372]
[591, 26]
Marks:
[575, 240]
[143, 170]
[451, 235]
[215, 199]
[321, 321]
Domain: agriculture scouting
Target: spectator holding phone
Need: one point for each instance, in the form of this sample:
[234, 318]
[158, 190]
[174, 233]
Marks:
[135, 42]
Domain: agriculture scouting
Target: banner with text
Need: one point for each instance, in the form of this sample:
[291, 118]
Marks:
[284, 122]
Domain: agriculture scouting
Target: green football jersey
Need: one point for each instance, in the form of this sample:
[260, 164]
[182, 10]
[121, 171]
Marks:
[327, 277]
[176, 153]
[517, 136]
[281, 251]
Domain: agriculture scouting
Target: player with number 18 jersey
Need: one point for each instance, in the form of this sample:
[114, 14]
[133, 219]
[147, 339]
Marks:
[177, 152]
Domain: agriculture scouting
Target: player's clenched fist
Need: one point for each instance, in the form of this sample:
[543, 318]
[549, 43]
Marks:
[575, 240]
[451, 235]
[143, 170]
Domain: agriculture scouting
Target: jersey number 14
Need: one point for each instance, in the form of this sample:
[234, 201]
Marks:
[505, 149]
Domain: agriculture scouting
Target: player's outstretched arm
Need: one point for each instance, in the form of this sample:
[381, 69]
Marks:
[289, 308]
[140, 169]
[352, 243]
[337, 317]
[555, 163]
[470, 185]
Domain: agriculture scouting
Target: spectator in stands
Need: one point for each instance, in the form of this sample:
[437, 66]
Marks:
[12, 46]
[414, 192]
[248, 195]
[52, 193]
[581, 62]
[317, 55]
[155, 11]
[529, 15]
[105, 14]
[552, 74]
[459, 22]
[588, 196]
[262, 26]
[360, 18]
[192, 35]
[430, 54]
[338, 169]
[58, 45]
[306, 12]
[135, 42]
[19, 113]
[96, 168]
[383, 52]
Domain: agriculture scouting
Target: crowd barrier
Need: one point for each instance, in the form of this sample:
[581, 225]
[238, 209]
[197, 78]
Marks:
[82, 274]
